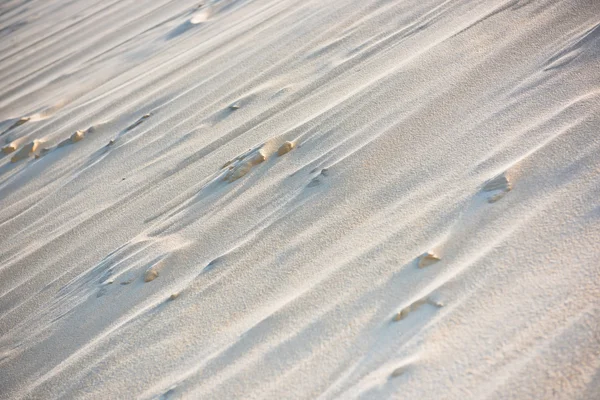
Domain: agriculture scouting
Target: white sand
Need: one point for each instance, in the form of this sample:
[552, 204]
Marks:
[464, 129]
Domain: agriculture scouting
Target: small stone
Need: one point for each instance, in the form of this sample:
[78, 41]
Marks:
[234, 106]
[285, 148]
[150, 275]
[428, 259]
[174, 296]
[111, 142]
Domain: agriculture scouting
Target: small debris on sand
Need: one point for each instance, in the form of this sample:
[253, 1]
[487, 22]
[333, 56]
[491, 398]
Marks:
[285, 148]
[150, 275]
[414, 307]
[428, 259]
[174, 296]
[25, 151]
[243, 165]
[77, 136]
[398, 372]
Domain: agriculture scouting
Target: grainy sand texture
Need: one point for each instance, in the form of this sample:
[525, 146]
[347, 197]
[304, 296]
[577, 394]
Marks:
[300, 199]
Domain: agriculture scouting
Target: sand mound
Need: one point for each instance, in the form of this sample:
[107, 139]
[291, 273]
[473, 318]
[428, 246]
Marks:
[26, 151]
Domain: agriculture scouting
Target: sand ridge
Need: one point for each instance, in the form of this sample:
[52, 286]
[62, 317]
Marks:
[299, 199]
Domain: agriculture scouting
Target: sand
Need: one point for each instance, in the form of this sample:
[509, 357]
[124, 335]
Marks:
[464, 133]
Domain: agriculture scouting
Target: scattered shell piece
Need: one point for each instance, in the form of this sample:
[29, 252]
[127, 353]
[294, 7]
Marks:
[174, 296]
[150, 275]
[25, 151]
[428, 259]
[285, 148]
[235, 106]
[111, 142]
[9, 149]
[110, 281]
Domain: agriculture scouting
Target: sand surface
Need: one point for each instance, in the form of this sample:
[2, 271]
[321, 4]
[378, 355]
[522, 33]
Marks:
[300, 199]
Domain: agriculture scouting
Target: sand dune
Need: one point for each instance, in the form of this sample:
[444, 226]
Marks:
[299, 199]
